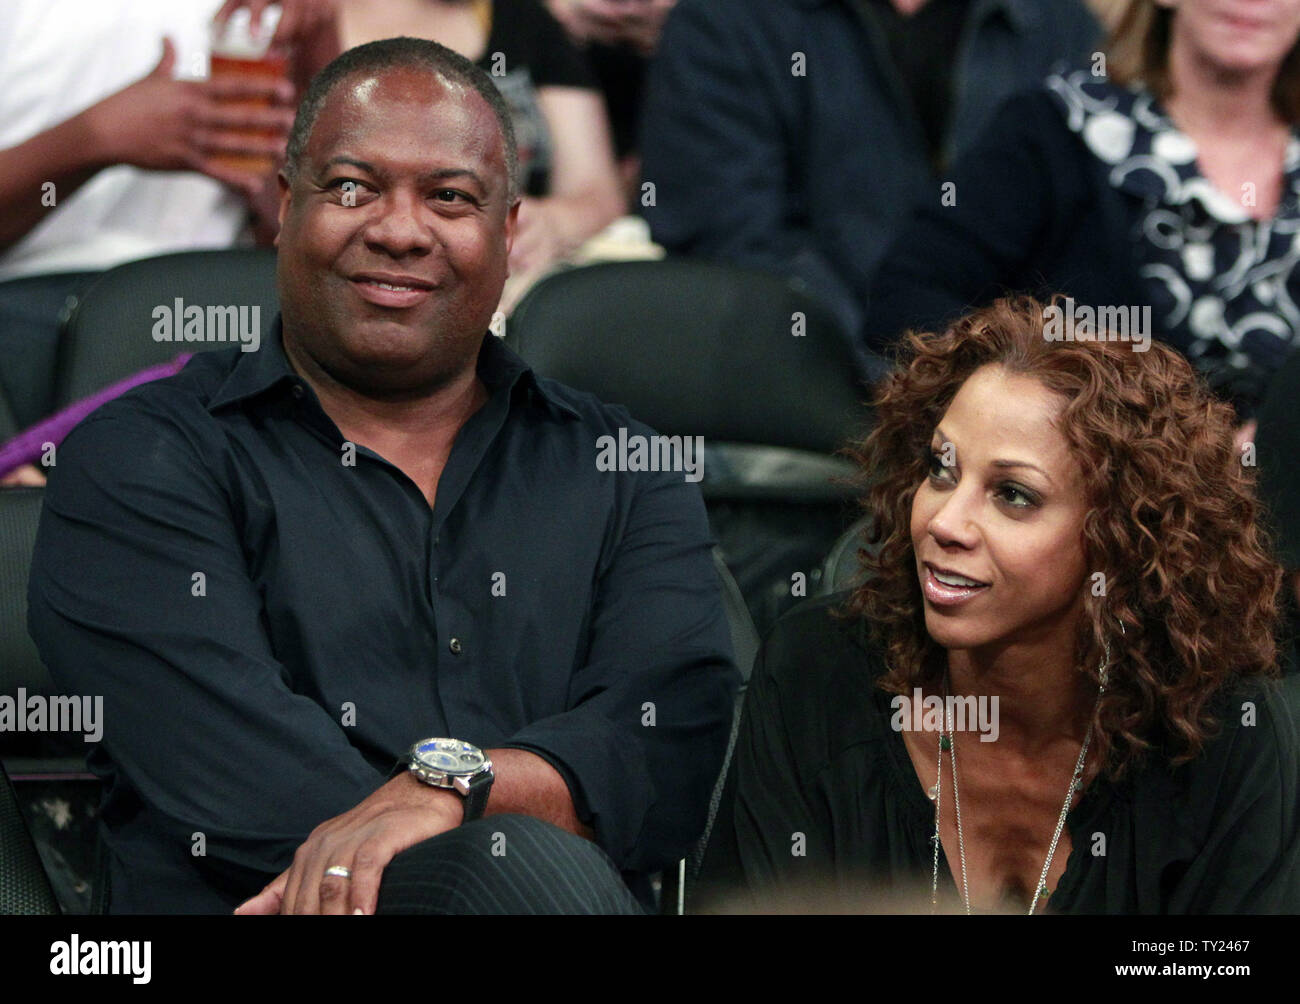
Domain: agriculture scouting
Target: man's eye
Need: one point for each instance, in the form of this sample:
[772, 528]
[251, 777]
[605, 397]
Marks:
[348, 186]
[451, 195]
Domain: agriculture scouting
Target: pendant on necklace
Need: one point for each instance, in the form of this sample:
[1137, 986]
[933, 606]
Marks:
[933, 793]
[945, 742]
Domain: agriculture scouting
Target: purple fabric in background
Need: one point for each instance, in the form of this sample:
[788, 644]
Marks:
[27, 446]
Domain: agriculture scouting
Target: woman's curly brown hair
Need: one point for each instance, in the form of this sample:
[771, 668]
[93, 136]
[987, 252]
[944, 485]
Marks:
[1173, 523]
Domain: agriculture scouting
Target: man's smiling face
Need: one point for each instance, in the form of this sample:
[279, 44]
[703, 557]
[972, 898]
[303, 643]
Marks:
[403, 183]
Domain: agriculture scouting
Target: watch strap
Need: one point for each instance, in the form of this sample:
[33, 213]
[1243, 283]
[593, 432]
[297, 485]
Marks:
[476, 796]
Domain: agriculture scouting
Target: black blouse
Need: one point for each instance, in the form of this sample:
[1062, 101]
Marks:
[816, 756]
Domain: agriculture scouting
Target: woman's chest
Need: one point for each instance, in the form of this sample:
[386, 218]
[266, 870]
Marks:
[1000, 821]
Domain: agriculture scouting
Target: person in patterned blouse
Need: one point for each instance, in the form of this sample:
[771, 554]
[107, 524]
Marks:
[1158, 184]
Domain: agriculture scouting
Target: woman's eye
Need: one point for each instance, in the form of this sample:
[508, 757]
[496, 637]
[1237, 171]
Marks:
[937, 466]
[1027, 500]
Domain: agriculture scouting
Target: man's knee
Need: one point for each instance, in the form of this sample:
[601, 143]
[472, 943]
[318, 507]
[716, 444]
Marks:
[504, 864]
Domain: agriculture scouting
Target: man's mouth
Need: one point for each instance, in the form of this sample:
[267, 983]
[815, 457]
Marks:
[392, 291]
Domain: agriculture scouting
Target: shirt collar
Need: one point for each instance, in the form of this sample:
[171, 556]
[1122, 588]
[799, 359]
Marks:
[499, 368]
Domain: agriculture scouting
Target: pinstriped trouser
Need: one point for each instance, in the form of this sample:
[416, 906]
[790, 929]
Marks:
[504, 864]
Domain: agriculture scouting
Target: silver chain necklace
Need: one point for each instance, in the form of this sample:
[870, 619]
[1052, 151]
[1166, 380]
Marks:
[948, 742]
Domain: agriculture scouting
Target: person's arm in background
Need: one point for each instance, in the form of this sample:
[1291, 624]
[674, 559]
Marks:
[713, 147]
[584, 196]
[157, 123]
[164, 124]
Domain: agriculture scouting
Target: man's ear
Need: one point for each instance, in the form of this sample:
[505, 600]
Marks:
[512, 220]
[285, 197]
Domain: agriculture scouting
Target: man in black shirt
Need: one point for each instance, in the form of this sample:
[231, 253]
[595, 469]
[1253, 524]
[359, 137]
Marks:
[281, 569]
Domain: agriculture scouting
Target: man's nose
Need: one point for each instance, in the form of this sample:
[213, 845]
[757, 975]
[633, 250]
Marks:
[404, 226]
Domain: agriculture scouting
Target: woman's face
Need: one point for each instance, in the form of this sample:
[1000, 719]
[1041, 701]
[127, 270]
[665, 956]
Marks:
[1237, 35]
[1003, 508]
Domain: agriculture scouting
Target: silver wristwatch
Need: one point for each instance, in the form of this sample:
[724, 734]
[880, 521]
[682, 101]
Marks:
[460, 766]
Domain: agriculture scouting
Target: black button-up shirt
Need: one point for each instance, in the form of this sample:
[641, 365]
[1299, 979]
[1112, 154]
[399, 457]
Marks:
[273, 616]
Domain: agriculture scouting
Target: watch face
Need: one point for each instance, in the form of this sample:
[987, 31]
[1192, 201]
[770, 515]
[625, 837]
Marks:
[450, 756]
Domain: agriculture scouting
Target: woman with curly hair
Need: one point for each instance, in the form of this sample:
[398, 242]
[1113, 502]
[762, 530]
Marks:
[1052, 692]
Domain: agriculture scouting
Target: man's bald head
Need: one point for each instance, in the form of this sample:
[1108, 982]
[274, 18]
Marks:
[390, 53]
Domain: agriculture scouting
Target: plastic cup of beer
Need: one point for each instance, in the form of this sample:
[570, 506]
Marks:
[239, 52]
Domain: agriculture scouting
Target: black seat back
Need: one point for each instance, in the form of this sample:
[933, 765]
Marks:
[697, 349]
[109, 334]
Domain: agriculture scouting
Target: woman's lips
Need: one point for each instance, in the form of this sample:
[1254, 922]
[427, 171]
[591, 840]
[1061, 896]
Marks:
[1242, 23]
[946, 596]
[373, 292]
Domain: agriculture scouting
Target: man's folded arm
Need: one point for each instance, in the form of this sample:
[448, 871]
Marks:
[140, 592]
[650, 708]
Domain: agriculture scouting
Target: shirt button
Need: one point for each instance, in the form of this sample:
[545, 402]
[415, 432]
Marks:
[455, 646]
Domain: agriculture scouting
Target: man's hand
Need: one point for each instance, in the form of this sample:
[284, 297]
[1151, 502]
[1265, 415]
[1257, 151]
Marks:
[399, 815]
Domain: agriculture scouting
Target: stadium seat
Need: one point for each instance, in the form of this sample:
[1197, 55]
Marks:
[8, 425]
[843, 568]
[745, 641]
[43, 764]
[109, 333]
[24, 887]
[20, 665]
[745, 359]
